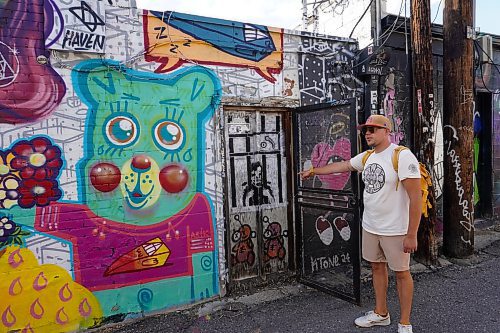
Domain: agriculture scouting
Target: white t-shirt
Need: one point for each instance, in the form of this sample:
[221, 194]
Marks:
[386, 211]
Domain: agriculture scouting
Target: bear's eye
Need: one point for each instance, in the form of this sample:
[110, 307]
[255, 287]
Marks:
[169, 135]
[236, 236]
[267, 234]
[121, 130]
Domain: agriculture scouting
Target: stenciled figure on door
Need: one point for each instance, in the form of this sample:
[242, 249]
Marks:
[274, 242]
[144, 214]
[324, 227]
[258, 192]
[242, 251]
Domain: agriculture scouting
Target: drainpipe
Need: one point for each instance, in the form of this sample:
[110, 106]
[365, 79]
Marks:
[378, 23]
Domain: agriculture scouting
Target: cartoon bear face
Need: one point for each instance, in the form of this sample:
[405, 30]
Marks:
[145, 139]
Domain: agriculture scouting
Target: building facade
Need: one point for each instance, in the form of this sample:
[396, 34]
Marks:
[388, 77]
[145, 157]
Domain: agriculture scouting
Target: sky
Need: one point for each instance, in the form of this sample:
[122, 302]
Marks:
[288, 13]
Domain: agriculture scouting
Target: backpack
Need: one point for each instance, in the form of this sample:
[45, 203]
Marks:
[425, 177]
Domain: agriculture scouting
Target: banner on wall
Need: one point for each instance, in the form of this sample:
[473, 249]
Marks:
[75, 25]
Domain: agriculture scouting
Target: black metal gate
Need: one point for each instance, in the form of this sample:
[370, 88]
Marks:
[327, 209]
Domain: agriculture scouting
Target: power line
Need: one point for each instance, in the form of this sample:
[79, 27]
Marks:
[363, 15]
[481, 68]
[437, 12]
[387, 39]
[388, 31]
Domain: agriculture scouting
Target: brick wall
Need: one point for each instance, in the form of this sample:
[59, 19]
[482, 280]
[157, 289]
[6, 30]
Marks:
[111, 199]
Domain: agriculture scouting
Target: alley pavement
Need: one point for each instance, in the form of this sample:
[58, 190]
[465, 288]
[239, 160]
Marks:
[459, 296]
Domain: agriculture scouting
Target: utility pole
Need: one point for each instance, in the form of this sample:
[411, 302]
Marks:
[458, 205]
[423, 118]
[304, 15]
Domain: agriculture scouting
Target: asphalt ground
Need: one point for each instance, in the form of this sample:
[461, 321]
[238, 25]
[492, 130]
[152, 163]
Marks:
[458, 296]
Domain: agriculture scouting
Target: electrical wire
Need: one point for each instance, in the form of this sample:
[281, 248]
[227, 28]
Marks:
[362, 15]
[476, 43]
[317, 3]
[388, 32]
[437, 12]
[492, 61]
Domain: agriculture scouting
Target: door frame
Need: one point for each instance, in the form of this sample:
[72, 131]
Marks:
[260, 279]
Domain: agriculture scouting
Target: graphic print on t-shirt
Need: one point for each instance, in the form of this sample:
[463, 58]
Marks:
[374, 178]
[413, 169]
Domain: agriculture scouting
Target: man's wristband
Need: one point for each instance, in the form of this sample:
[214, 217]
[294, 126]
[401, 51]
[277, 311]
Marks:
[311, 171]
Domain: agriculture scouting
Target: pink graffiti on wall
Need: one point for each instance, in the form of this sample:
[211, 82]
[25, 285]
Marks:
[397, 135]
[30, 88]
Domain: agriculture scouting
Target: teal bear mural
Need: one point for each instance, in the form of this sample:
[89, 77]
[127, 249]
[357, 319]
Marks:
[143, 235]
[149, 131]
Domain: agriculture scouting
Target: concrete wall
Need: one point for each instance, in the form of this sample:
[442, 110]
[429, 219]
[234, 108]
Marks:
[111, 188]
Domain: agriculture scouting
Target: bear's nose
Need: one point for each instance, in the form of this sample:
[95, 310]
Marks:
[141, 163]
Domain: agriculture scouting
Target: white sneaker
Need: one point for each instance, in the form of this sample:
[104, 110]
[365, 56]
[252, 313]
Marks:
[373, 319]
[404, 328]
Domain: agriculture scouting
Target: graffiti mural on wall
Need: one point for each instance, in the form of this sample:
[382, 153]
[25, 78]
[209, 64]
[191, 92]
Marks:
[325, 219]
[45, 296]
[325, 138]
[172, 39]
[244, 245]
[274, 240]
[384, 70]
[393, 105]
[325, 72]
[29, 172]
[143, 215]
[76, 25]
[256, 160]
[30, 88]
[331, 144]
[144, 190]
[243, 249]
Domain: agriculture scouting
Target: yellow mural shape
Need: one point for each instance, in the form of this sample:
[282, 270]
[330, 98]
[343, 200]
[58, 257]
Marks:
[42, 298]
[171, 47]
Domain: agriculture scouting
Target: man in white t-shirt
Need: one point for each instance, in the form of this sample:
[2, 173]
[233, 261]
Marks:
[390, 218]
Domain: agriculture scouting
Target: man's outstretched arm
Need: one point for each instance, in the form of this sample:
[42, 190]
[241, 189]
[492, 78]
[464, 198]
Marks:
[335, 167]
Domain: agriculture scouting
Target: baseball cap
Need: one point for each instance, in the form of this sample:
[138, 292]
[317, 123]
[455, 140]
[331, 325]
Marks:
[377, 120]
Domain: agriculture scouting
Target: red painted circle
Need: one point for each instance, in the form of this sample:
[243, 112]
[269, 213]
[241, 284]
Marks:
[173, 178]
[105, 177]
[141, 162]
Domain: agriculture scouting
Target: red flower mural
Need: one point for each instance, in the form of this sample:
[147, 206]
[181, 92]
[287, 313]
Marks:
[40, 193]
[38, 159]
[28, 173]
[8, 190]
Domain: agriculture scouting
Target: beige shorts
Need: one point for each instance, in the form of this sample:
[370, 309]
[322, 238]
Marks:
[376, 248]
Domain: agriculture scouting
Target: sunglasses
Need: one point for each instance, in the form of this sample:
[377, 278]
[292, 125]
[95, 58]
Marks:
[369, 129]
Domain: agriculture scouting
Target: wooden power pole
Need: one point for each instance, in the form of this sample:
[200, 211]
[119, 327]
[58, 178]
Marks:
[458, 135]
[423, 118]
